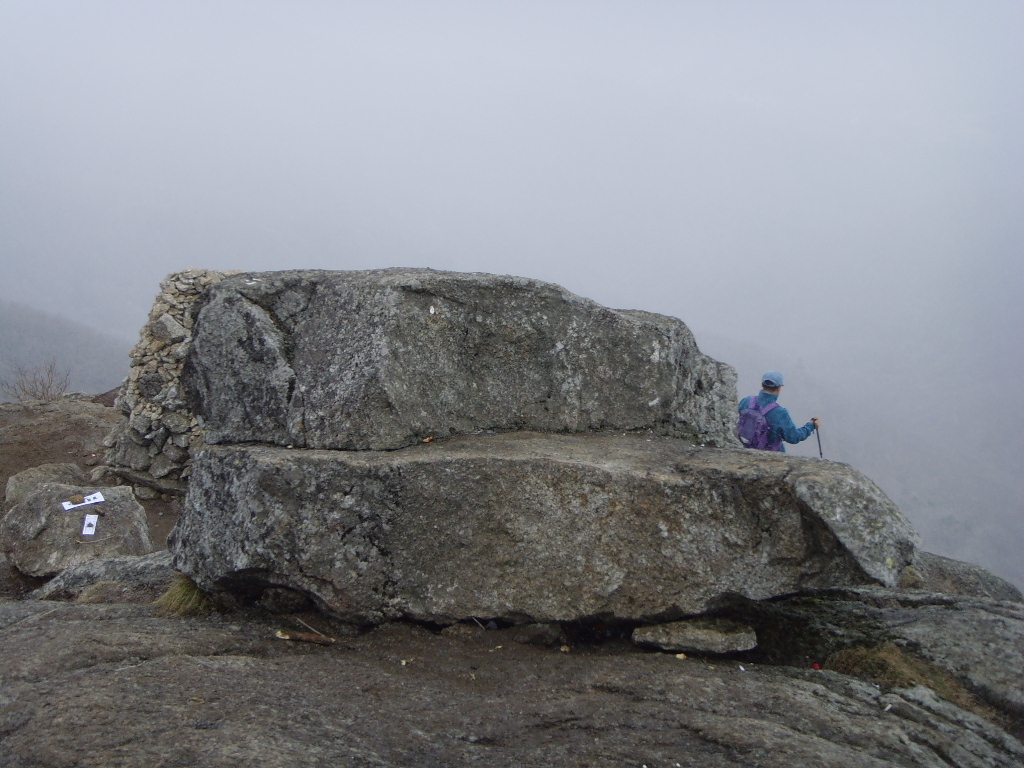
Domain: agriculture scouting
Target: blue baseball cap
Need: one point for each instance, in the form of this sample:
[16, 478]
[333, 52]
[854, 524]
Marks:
[772, 379]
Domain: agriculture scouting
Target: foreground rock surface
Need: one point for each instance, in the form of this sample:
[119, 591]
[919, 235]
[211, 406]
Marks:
[533, 527]
[40, 538]
[104, 685]
[380, 359]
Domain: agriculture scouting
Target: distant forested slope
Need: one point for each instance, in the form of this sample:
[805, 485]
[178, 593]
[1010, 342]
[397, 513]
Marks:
[29, 338]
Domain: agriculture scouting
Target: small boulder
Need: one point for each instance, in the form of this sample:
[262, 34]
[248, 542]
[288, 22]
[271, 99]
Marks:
[23, 483]
[40, 538]
[150, 574]
[700, 635]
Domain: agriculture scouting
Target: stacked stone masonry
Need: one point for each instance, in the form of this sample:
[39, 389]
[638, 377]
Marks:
[154, 439]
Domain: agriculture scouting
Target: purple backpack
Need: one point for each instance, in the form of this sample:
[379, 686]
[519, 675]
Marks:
[753, 427]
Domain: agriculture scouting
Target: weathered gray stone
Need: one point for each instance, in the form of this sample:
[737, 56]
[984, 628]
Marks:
[41, 538]
[855, 510]
[381, 359]
[161, 466]
[533, 527]
[175, 422]
[140, 423]
[151, 396]
[23, 483]
[167, 485]
[168, 330]
[125, 452]
[174, 453]
[144, 572]
[699, 635]
[935, 573]
[145, 493]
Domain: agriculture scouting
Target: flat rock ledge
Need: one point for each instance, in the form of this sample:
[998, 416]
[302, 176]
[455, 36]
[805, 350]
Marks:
[533, 527]
[379, 359]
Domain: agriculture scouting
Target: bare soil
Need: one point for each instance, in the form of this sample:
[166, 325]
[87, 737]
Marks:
[71, 431]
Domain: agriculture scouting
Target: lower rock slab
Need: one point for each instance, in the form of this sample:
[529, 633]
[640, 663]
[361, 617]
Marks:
[533, 527]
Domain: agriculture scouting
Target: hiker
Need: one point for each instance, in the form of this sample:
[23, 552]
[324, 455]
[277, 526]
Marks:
[764, 424]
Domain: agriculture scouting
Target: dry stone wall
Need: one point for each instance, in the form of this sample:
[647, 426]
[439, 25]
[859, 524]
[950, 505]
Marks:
[152, 443]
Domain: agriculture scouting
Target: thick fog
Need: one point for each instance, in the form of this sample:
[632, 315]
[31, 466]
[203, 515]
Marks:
[831, 189]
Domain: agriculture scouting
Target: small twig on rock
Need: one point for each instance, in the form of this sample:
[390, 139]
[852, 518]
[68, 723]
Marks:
[305, 637]
[307, 626]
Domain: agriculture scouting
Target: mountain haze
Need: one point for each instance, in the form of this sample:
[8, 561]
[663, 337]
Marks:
[30, 338]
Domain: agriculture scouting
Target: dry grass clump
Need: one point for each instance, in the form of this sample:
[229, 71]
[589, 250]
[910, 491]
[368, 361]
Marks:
[46, 382]
[888, 666]
[184, 598]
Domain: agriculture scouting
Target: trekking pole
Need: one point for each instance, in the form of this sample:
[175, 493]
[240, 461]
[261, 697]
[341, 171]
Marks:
[816, 432]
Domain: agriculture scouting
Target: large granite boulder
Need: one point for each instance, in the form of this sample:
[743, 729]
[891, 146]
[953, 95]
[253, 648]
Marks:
[533, 527]
[40, 538]
[381, 359]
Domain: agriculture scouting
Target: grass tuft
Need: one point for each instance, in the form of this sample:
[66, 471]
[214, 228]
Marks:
[184, 598]
[886, 665]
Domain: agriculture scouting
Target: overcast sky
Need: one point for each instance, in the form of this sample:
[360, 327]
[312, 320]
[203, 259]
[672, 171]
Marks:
[842, 182]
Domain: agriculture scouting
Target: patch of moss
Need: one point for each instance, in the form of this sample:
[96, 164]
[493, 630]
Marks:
[888, 666]
[184, 598]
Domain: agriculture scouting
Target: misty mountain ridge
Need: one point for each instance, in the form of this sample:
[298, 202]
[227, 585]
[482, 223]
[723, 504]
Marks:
[29, 338]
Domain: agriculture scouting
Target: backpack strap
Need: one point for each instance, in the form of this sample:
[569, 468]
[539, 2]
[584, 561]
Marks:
[752, 404]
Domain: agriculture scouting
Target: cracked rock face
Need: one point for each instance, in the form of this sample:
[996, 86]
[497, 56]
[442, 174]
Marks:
[380, 359]
[532, 527]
